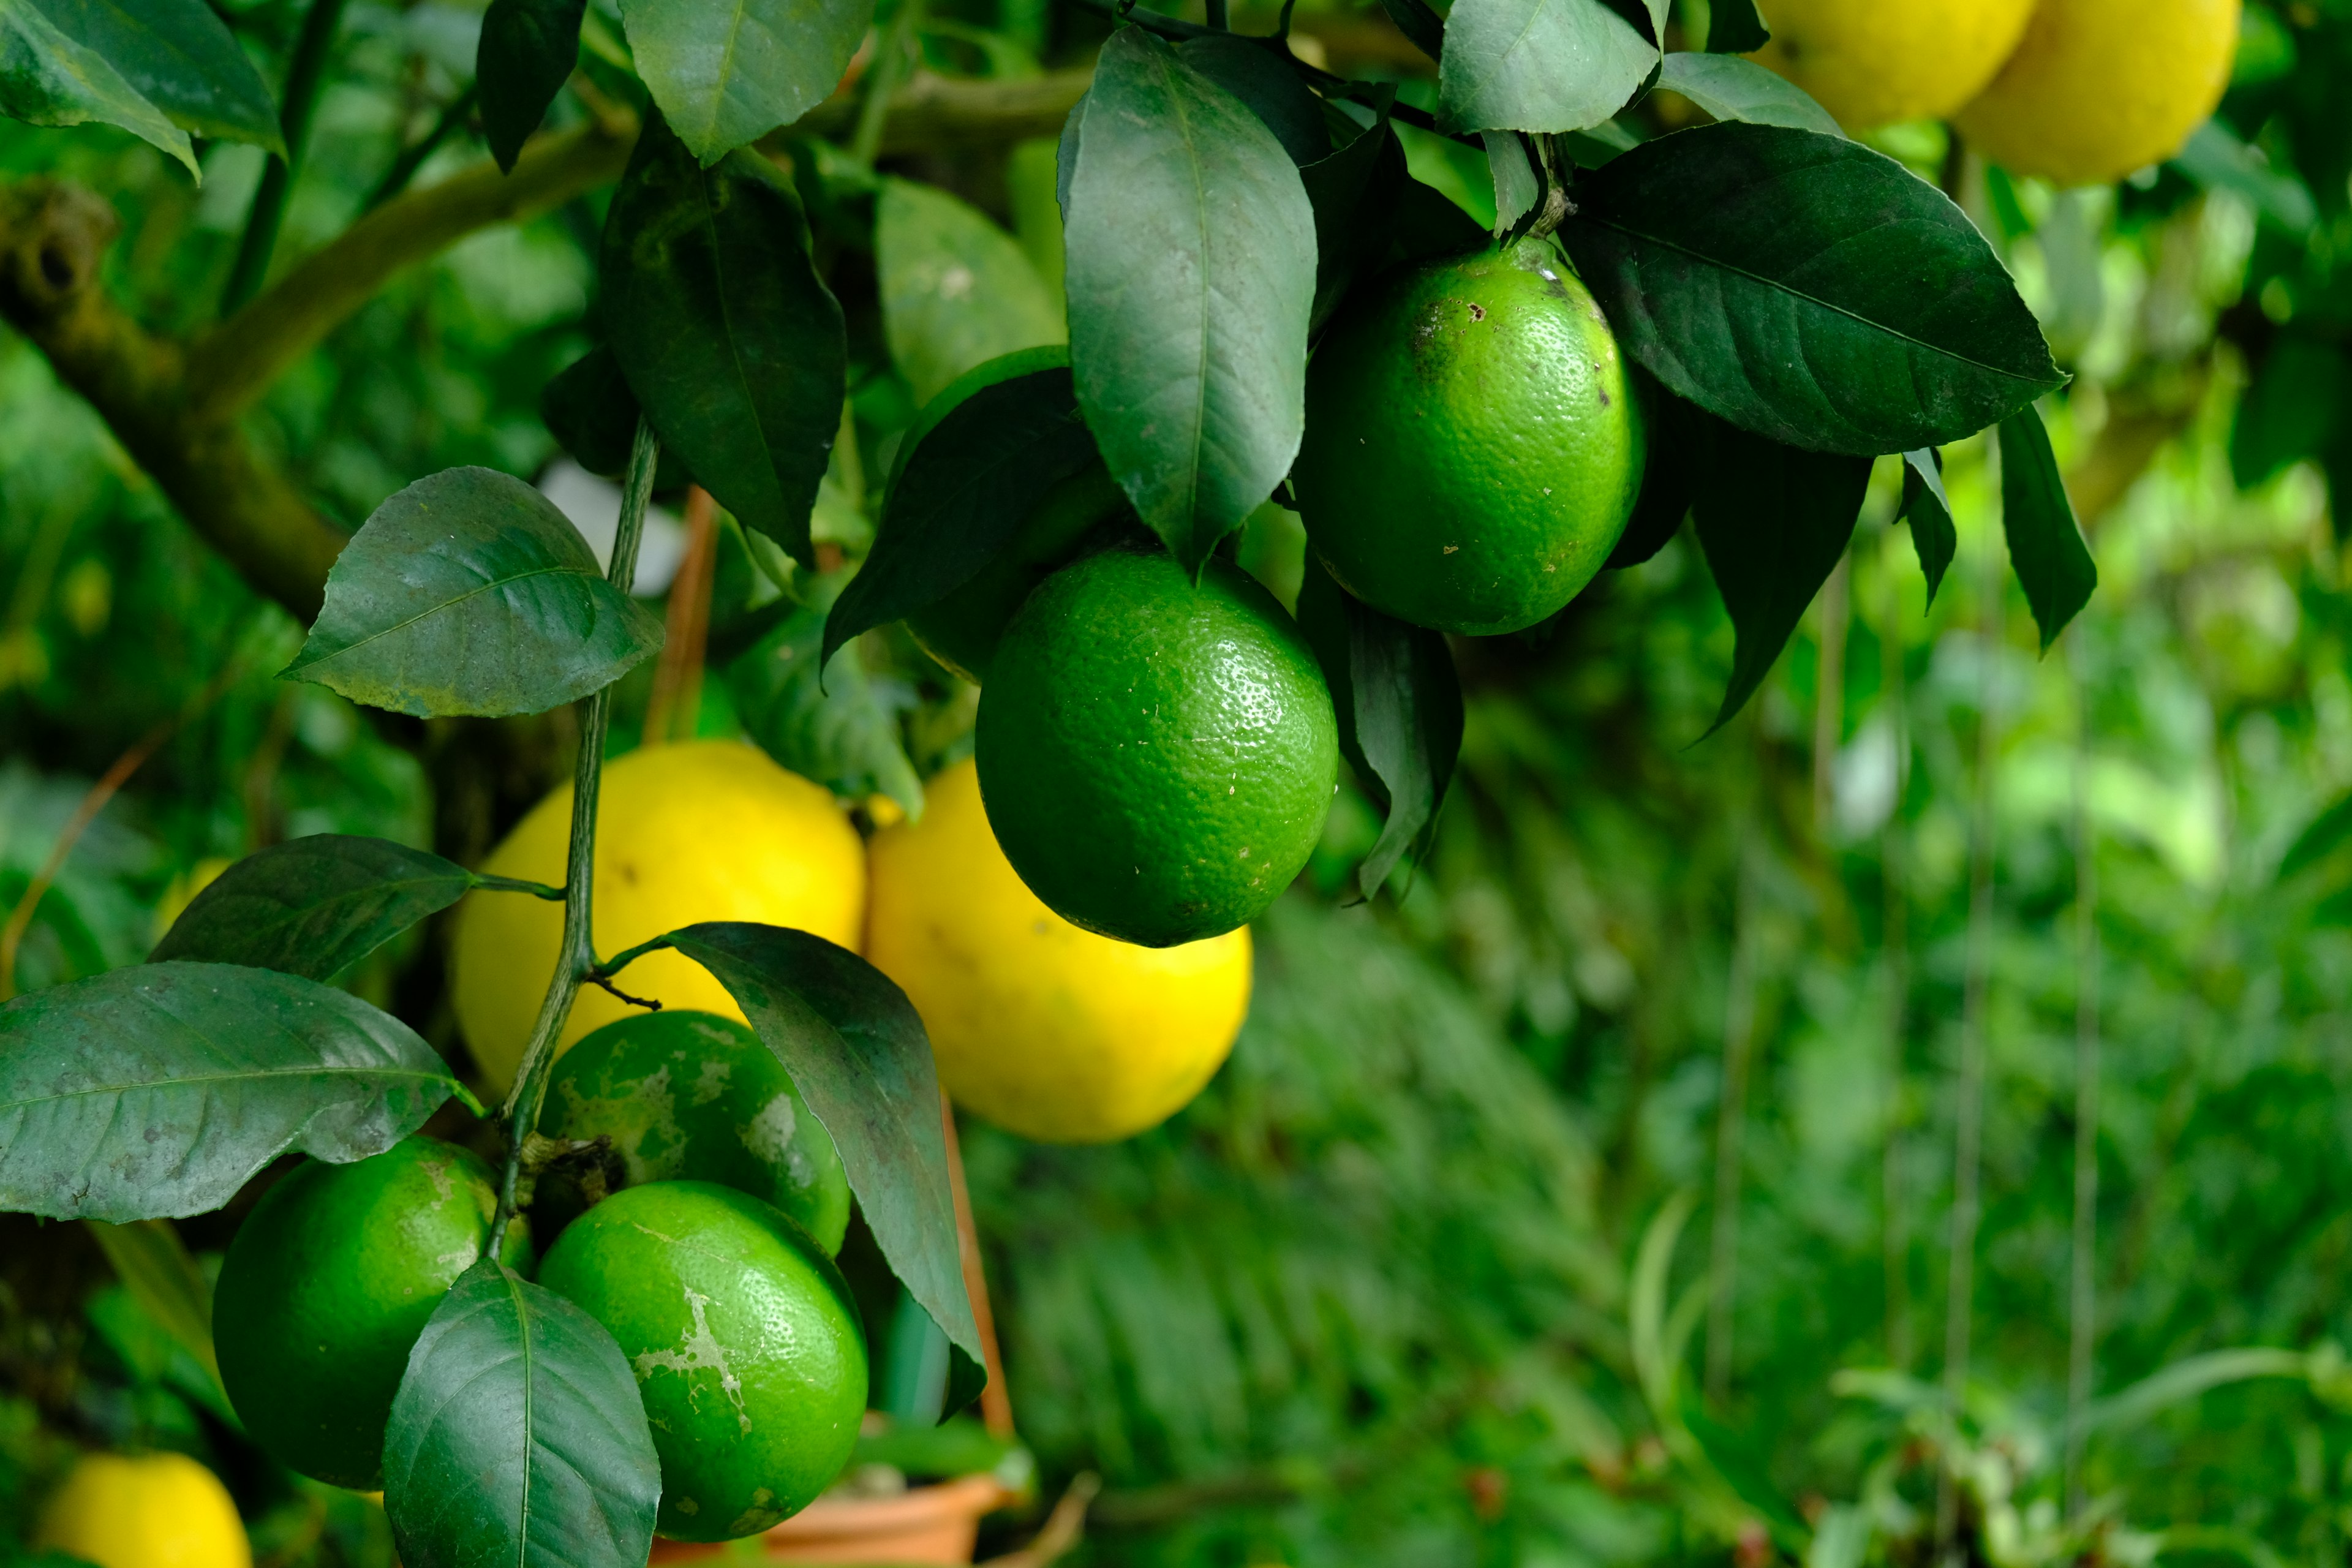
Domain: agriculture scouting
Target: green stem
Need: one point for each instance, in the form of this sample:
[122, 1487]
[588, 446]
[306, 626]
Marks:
[304, 78]
[405, 167]
[891, 70]
[577, 958]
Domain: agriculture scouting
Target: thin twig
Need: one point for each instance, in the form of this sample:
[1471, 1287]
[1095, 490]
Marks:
[602, 984]
[995, 1399]
[304, 77]
[1063, 1528]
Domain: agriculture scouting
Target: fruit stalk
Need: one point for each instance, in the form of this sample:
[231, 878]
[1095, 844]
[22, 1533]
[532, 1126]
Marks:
[577, 957]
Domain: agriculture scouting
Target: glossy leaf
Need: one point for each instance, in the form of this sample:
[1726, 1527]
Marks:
[1730, 88]
[518, 1436]
[1264, 83]
[1734, 29]
[1930, 512]
[1399, 704]
[157, 1090]
[965, 484]
[1774, 521]
[956, 291]
[730, 341]
[2046, 545]
[1806, 288]
[180, 56]
[49, 77]
[1516, 188]
[526, 54]
[857, 1054]
[1539, 65]
[727, 72]
[842, 730]
[1191, 281]
[314, 905]
[469, 593]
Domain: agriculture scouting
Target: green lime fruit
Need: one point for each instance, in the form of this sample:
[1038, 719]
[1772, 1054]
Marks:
[745, 1341]
[325, 1289]
[1156, 756]
[696, 1097]
[961, 630]
[1474, 446]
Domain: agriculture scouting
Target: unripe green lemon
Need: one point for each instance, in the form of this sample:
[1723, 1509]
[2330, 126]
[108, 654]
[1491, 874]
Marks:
[1156, 756]
[325, 1289]
[696, 1097]
[1472, 446]
[745, 1342]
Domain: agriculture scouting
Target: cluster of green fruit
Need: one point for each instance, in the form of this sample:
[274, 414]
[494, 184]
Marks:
[712, 1268]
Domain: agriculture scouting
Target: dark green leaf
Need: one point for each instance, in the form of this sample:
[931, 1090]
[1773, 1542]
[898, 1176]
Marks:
[156, 1090]
[1808, 288]
[1399, 704]
[1669, 480]
[589, 409]
[1516, 188]
[526, 54]
[1732, 88]
[842, 731]
[857, 1054]
[727, 72]
[1428, 225]
[2325, 834]
[48, 77]
[469, 593]
[313, 906]
[1734, 29]
[1773, 521]
[965, 484]
[1192, 280]
[956, 290]
[2299, 405]
[1355, 194]
[1266, 86]
[1929, 511]
[1539, 65]
[730, 341]
[517, 1438]
[1418, 21]
[181, 57]
[2045, 546]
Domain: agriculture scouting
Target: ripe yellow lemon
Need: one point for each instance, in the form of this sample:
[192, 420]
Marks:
[707, 830]
[1051, 1031]
[2100, 88]
[1880, 62]
[155, 1510]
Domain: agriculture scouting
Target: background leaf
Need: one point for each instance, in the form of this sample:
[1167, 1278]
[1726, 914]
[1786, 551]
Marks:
[842, 731]
[313, 906]
[518, 1436]
[180, 56]
[1929, 509]
[2046, 545]
[728, 72]
[956, 290]
[1539, 65]
[47, 77]
[1806, 288]
[1734, 29]
[1730, 88]
[469, 593]
[730, 341]
[1191, 279]
[1773, 521]
[156, 1090]
[857, 1054]
[526, 54]
[168, 1284]
[2298, 405]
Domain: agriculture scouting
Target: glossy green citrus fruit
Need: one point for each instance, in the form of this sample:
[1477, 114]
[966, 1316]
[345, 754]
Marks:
[744, 1339]
[1156, 756]
[1473, 445]
[696, 1097]
[325, 1289]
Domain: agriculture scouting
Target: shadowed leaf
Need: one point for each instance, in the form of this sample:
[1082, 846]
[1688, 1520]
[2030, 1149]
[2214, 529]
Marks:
[1930, 512]
[2045, 546]
[526, 54]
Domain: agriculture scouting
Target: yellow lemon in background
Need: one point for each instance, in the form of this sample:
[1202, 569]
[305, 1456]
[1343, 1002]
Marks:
[2100, 88]
[155, 1511]
[1880, 62]
[1050, 1031]
[707, 830]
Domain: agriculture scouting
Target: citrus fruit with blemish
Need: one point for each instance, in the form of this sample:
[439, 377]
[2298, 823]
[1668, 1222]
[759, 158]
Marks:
[327, 1285]
[962, 629]
[697, 1097]
[145, 1510]
[2099, 88]
[744, 1339]
[1053, 1032]
[1156, 754]
[1878, 62]
[703, 830]
[1474, 447]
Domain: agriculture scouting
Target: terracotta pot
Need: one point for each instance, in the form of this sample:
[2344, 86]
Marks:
[926, 1525]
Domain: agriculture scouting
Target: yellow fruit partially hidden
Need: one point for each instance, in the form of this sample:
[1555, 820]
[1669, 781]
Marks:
[1053, 1032]
[155, 1510]
[1880, 62]
[708, 830]
[2101, 87]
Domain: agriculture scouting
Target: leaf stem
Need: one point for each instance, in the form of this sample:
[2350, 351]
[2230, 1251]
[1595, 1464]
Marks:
[576, 957]
[518, 885]
[304, 78]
